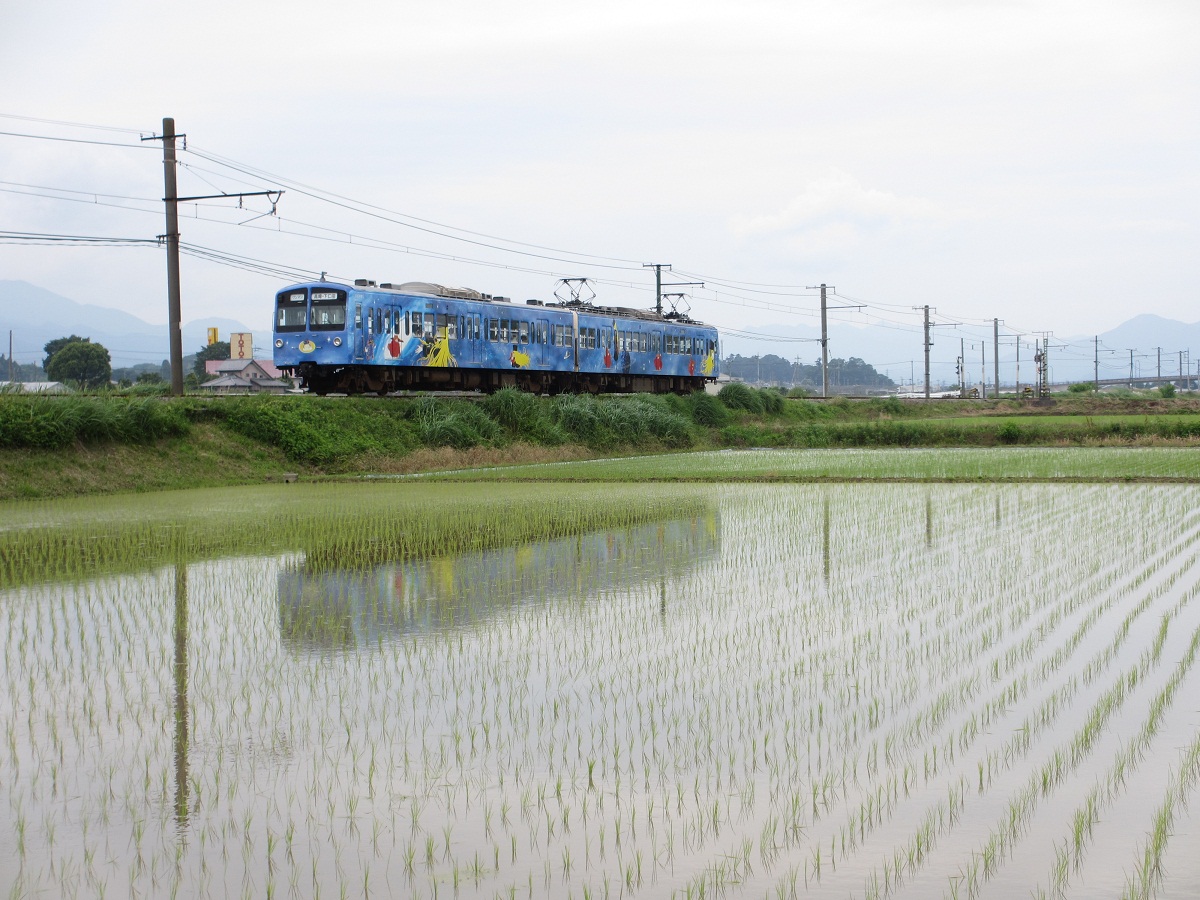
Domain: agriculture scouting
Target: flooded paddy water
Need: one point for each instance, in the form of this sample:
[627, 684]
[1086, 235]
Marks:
[603, 691]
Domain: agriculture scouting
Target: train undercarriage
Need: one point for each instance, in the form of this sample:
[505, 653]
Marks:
[383, 380]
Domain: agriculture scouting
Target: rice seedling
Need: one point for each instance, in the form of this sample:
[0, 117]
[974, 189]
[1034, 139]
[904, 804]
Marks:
[654, 690]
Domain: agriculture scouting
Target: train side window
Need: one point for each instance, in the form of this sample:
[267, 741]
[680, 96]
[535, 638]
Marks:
[524, 333]
[644, 341]
[569, 334]
[656, 341]
[606, 336]
[430, 323]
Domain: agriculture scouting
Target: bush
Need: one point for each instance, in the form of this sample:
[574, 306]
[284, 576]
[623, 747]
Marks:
[1166, 390]
[708, 411]
[1080, 387]
[736, 395]
[1008, 433]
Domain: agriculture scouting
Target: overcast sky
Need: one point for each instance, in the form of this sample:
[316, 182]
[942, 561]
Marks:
[1035, 161]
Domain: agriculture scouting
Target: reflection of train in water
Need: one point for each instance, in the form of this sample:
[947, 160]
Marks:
[342, 608]
[378, 338]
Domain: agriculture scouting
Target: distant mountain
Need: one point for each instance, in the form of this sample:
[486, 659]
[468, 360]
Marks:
[37, 316]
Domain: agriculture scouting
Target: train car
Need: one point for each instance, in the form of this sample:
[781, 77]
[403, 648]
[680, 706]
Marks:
[379, 338]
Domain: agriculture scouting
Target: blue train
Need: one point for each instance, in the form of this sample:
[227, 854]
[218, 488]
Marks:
[378, 338]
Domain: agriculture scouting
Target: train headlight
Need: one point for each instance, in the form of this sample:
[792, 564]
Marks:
[337, 342]
[278, 342]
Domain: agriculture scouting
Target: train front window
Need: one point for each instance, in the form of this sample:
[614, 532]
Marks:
[328, 311]
[291, 311]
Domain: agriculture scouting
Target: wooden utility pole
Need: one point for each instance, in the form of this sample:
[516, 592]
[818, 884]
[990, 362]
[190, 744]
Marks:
[171, 201]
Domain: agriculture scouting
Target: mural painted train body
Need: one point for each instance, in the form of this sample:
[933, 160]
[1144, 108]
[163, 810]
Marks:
[369, 338]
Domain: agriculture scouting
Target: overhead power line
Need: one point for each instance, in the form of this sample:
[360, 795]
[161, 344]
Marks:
[67, 140]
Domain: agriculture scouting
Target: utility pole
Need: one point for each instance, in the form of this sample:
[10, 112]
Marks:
[1159, 349]
[171, 200]
[824, 345]
[1131, 368]
[928, 344]
[996, 353]
[10, 362]
[961, 368]
[825, 331]
[1096, 364]
[658, 267]
[982, 370]
[1017, 386]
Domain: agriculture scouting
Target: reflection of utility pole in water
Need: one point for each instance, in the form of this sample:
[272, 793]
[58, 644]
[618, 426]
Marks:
[825, 541]
[662, 600]
[929, 522]
[181, 697]
[997, 509]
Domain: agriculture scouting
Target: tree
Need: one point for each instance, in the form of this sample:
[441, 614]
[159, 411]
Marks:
[57, 344]
[219, 350]
[83, 362]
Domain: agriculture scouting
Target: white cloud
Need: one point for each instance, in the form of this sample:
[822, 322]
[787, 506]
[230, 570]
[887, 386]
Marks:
[833, 214]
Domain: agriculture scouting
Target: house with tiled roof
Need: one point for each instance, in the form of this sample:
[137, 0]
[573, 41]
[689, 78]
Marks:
[243, 376]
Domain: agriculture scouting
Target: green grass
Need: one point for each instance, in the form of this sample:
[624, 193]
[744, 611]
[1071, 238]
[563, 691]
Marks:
[968, 464]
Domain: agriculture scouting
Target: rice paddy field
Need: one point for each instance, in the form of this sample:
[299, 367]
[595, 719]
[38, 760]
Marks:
[603, 690]
[902, 464]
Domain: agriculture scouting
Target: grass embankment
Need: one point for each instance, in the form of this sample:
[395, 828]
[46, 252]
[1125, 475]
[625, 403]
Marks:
[63, 446]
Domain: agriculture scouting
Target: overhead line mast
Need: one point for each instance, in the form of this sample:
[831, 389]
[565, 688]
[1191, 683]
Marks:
[171, 201]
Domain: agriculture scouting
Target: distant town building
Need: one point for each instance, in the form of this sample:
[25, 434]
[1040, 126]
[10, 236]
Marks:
[243, 376]
[35, 387]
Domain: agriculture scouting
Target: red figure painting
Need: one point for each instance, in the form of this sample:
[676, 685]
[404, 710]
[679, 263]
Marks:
[393, 347]
[658, 361]
[691, 367]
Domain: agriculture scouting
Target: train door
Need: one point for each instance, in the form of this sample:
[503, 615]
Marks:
[538, 331]
[359, 329]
